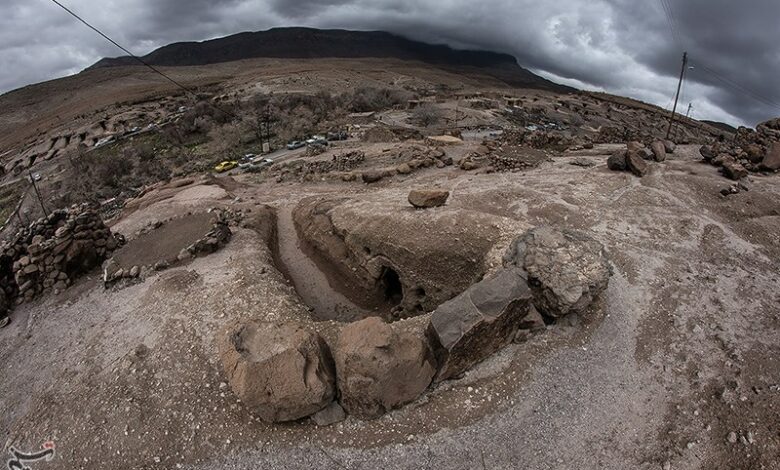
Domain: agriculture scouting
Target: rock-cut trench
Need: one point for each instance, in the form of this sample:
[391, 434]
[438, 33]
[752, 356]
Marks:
[319, 291]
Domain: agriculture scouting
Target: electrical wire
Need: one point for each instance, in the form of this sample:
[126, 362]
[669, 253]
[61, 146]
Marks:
[737, 87]
[143, 62]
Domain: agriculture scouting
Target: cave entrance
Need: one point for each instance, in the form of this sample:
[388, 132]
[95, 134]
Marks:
[390, 286]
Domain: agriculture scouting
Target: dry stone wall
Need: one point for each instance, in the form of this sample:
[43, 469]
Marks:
[53, 251]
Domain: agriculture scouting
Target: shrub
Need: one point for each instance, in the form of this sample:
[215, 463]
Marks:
[427, 115]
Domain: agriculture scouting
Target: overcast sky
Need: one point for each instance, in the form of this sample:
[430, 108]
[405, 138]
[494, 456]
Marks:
[622, 46]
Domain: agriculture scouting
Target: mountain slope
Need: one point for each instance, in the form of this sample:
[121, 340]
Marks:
[308, 43]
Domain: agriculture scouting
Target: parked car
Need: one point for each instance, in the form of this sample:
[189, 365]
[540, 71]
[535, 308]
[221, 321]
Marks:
[295, 144]
[225, 166]
[317, 140]
[337, 135]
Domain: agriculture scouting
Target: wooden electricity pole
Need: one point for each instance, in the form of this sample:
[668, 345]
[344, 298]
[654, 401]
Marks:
[37, 193]
[677, 96]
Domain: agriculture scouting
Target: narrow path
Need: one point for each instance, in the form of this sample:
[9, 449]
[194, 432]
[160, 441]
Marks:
[310, 282]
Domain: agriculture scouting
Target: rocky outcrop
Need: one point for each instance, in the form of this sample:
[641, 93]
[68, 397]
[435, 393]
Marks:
[470, 327]
[281, 372]
[567, 270]
[426, 198]
[381, 366]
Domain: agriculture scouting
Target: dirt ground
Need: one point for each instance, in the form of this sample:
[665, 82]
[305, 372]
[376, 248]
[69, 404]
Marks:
[685, 352]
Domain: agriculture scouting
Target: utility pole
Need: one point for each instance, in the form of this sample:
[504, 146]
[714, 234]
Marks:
[688, 113]
[677, 96]
[37, 193]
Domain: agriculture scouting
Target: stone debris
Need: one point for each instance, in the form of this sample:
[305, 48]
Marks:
[633, 158]
[372, 176]
[301, 170]
[750, 151]
[381, 366]
[426, 198]
[583, 162]
[281, 372]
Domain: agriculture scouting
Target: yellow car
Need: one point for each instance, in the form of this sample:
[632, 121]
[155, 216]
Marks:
[225, 166]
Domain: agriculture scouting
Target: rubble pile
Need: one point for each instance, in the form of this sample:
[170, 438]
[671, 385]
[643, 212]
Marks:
[302, 170]
[50, 253]
[503, 159]
[634, 157]
[537, 138]
[414, 159]
[750, 151]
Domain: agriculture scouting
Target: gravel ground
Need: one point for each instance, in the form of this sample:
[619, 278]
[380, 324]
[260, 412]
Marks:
[684, 352]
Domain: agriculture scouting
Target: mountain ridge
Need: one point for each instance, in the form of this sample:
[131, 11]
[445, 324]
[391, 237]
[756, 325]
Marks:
[310, 43]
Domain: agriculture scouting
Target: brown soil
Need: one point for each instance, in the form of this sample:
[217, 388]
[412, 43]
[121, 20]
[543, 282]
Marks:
[165, 242]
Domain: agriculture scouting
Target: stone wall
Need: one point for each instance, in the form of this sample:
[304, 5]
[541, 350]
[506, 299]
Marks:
[53, 251]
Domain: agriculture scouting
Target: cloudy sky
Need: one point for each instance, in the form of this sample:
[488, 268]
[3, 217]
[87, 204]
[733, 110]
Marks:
[627, 47]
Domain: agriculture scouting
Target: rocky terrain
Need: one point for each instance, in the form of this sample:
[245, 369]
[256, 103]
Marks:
[510, 278]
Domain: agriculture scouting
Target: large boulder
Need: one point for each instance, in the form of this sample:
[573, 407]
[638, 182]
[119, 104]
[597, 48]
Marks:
[381, 366]
[281, 372]
[707, 152]
[771, 161]
[470, 327]
[659, 151]
[770, 128]
[567, 270]
[372, 176]
[425, 198]
[617, 161]
[734, 170]
[636, 164]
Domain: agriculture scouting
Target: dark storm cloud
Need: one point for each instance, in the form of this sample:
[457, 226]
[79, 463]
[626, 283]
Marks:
[621, 46]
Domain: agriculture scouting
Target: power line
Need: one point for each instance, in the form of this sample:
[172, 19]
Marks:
[670, 21]
[736, 86]
[151, 67]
